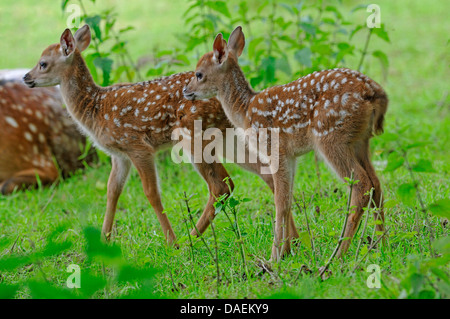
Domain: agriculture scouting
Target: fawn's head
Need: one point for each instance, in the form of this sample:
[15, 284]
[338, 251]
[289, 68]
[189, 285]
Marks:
[57, 59]
[213, 66]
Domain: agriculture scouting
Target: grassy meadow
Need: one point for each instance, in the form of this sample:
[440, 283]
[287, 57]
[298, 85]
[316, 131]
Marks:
[417, 84]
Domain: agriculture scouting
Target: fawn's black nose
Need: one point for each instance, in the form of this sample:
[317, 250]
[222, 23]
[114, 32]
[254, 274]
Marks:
[28, 81]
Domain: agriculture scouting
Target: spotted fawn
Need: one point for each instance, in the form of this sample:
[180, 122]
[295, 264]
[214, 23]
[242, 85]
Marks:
[131, 122]
[40, 142]
[333, 112]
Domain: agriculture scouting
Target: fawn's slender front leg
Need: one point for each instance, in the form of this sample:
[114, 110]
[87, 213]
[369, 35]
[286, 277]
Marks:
[117, 179]
[146, 168]
[285, 229]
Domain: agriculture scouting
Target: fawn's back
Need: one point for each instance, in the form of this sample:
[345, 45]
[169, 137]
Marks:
[329, 104]
[124, 116]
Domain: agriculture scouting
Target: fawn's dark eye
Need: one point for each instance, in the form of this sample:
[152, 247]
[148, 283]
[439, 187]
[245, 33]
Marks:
[43, 65]
[199, 76]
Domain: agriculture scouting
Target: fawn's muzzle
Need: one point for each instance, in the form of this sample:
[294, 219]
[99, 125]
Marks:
[188, 95]
[28, 81]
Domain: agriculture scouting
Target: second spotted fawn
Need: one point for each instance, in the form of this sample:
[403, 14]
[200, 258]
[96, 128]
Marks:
[333, 112]
[131, 122]
[39, 141]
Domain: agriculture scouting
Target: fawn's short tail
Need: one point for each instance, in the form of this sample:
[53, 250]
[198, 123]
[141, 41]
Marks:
[380, 104]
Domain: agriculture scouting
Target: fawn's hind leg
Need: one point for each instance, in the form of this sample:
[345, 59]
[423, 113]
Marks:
[214, 175]
[363, 155]
[343, 160]
[285, 229]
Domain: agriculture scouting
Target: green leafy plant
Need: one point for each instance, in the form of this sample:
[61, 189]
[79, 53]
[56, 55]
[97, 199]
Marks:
[91, 283]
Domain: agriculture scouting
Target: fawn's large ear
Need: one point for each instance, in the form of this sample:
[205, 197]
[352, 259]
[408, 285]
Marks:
[236, 42]
[220, 49]
[83, 37]
[67, 43]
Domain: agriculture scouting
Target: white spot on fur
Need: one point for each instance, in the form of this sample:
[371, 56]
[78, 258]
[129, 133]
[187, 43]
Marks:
[28, 136]
[344, 98]
[336, 98]
[11, 121]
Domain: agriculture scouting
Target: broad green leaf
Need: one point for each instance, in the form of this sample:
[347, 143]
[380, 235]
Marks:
[334, 10]
[233, 202]
[11, 263]
[8, 291]
[218, 6]
[105, 64]
[52, 249]
[308, 28]
[426, 294]
[394, 162]
[268, 68]
[90, 284]
[441, 208]
[218, 207]
[442, 244]
[95, 248]
[94, 23]
[253, 44]
[358, 28]
[441, 274]
[303, 56]
[390, 203]
[423, 166]
[64, 4]
[359, 7]
[382, 57]
[407, 193]
[131, 274]
[283, 65]
[44, 290]
[416, 282]
[417, 144]
[381, 33]
[288, 7]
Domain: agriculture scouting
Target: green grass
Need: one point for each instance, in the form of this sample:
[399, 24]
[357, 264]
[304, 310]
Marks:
[417, 85]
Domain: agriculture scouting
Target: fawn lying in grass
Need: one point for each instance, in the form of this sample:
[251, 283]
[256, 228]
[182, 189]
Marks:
[332, 112]
[40, 142]
[131, 122]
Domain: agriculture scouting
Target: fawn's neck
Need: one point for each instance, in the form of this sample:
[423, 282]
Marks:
[80, 91]
[235, 95]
